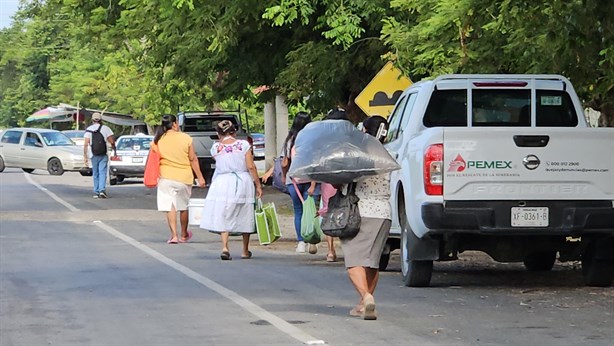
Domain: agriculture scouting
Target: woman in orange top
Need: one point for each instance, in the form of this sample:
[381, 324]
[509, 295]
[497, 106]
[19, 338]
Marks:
[178, 164]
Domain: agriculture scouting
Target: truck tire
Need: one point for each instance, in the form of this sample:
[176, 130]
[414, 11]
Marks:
[540, 261]
[2, 166]
[596, 271]
[27, 170]
[113, 181]
[415, 273]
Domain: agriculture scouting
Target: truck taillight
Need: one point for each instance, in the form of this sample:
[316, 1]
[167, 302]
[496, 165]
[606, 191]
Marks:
[116, 158]
[433, 170]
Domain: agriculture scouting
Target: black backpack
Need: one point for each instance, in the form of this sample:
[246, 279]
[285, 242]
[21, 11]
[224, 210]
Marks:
[98, 143]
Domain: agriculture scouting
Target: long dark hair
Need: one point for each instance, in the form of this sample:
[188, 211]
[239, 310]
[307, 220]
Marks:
[300, 121]
[167, 123]
[372, 125]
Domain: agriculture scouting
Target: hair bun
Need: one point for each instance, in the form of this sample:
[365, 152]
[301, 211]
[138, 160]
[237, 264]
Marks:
[225, 126]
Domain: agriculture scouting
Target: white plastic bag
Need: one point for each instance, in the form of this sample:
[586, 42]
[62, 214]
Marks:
[335, 152]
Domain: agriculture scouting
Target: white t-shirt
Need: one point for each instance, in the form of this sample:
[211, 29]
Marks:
[104, 130]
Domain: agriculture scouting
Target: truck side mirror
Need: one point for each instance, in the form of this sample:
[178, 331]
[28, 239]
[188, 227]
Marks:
[181, 120]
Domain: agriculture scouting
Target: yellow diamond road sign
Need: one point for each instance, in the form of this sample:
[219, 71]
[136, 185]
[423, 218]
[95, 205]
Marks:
[380, 95]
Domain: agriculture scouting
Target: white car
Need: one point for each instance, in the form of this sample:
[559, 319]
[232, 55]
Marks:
[258, 144]
[131, 155]
[77, 136]
[51, 150]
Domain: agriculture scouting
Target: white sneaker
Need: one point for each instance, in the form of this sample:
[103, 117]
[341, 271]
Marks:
[301, 247]
[313, 249]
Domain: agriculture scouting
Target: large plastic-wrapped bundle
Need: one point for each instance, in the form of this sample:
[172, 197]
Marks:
[335, 152]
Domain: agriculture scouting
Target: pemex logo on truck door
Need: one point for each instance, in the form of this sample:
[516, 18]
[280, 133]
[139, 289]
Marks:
[458, 164]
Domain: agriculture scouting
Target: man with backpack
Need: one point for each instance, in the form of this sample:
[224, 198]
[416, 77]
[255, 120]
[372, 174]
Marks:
[96, 137]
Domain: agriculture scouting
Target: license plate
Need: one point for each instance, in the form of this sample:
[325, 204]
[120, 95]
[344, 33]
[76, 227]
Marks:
[137, 160]
[530, 217]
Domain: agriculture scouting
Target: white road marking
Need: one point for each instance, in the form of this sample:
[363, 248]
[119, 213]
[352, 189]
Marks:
[51, 194]
[234, 297]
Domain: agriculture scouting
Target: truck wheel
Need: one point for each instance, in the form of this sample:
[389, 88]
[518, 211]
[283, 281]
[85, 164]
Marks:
[384, 258]
[415, 273]
[540, 261]
[120, 178]
[596, 271]
[2, 166]
[113, 181]
[54, 166]
[27, 170]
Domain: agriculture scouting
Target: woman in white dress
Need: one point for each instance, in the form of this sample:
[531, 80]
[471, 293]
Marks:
[229, 205]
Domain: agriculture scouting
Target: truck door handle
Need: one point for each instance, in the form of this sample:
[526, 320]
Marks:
[531, 141]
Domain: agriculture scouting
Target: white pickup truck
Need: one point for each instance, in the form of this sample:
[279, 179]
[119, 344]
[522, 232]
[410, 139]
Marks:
[503, 164]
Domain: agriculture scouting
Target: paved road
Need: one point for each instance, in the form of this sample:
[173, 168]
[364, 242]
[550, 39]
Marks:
[80, 271]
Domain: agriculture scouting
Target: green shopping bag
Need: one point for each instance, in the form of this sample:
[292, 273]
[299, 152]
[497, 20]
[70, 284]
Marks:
[271, 217]
[310, 223]
[267, 226]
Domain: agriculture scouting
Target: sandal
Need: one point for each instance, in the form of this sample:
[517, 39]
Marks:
[171, 241]
[186, 239]
[369, 312]
[249, 255]
[331, 258]
[225, 256]
[356, 311]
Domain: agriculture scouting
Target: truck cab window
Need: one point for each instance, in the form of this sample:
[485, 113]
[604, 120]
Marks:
[446, 108]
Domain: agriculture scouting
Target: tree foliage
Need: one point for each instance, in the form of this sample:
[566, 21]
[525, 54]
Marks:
[147, 58]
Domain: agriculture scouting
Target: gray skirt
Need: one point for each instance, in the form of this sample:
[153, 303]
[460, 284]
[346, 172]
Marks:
[365, 249]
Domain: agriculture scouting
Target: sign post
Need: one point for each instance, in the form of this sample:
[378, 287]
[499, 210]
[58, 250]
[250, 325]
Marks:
[381, 94]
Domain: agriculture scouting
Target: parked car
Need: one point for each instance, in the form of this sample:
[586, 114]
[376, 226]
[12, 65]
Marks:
[258, 146]
[131, 155]
[77, 136]
[30, 149]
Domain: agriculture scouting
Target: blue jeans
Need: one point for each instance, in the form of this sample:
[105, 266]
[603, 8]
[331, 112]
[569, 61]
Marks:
[99, 171]
[298, 205]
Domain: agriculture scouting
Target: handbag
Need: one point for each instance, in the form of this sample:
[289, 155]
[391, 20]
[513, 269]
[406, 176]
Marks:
[310, 223]
[152, 167]
[267, 225]
[343, 217]
[278, 177]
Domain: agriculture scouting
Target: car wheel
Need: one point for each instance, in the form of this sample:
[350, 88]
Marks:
[113, 181]
[86, 173]
[384, 258]
[27, 170]
[2, 164]
[415, 273]
[540, 261]
[120, 178]
[54, 166]
[597, 271]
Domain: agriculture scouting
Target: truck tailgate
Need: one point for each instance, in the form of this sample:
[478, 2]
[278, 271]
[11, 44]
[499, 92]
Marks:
[528, 164]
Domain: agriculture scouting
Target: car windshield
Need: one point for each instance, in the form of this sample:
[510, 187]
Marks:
[74, 134]
[54, 139]
[134, 143]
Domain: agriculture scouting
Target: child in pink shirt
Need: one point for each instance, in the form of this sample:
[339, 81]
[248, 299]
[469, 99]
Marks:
[327, 191]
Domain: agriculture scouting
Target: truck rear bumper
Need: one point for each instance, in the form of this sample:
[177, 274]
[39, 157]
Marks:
[494, 217]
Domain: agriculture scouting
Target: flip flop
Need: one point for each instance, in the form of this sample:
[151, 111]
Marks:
[225, 256]
[369, 312]
[171, 241]
[355, 312]
[186, 239]
[249, 255]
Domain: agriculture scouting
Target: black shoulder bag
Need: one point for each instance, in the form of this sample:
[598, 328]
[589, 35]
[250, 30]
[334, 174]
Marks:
[343, 217]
